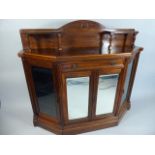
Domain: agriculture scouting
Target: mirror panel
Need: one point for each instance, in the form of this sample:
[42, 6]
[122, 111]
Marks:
[77, 97]
[127, 80]
[45, 92]
[106, 93]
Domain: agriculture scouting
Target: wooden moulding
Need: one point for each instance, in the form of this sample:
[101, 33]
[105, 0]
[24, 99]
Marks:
[78, 38]
[83, 126]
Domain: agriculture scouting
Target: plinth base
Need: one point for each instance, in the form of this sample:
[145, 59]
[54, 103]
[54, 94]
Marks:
[77, 128]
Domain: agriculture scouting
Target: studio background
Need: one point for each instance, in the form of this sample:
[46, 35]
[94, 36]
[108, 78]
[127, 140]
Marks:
[16, 112]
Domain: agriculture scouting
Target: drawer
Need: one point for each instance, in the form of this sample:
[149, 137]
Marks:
[83, 65]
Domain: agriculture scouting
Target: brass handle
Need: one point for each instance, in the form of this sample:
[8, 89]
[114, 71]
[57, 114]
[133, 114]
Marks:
[74, 66]
[113, 63]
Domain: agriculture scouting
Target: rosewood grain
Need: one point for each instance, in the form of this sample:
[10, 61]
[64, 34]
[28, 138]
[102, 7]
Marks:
[77, 49]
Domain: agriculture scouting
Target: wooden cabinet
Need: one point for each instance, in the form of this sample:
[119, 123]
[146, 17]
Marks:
[79, 76]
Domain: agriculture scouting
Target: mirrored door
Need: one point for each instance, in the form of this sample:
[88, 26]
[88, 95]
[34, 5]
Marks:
[77, 97]
[89, 90]
[106, 93]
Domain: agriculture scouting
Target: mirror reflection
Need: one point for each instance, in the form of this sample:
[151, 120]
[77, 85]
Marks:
[106, 93]
[126, 85]
[77, 97]
[45, 91]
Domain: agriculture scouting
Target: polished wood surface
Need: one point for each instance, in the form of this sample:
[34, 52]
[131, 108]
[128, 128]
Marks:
[77, 38]
[80, 48]
[118, 40]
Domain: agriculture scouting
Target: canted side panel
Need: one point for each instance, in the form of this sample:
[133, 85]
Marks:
[30, 86]
[129, 80]
[45, 90]
[133, 74]
[41, 84]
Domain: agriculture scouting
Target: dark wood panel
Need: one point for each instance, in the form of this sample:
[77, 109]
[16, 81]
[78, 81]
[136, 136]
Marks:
[78, 37]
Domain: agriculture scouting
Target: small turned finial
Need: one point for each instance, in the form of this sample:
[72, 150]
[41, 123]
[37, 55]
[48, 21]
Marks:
[59, 41]
[110, 43]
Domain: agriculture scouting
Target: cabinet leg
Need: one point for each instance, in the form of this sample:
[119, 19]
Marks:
[129, 105]
[35, 120]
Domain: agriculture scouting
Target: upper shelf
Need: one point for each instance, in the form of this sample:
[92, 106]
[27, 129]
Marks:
[78, 38]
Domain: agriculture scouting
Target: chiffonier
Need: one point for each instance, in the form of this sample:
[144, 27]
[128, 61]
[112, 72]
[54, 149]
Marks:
[80, 76]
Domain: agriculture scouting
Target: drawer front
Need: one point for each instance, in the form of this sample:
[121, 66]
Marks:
[86, 65]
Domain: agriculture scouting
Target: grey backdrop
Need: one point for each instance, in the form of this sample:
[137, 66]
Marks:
[16, 112]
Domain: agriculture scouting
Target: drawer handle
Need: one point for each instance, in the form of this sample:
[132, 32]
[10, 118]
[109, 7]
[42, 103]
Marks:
[74, 66]
[113, 63]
